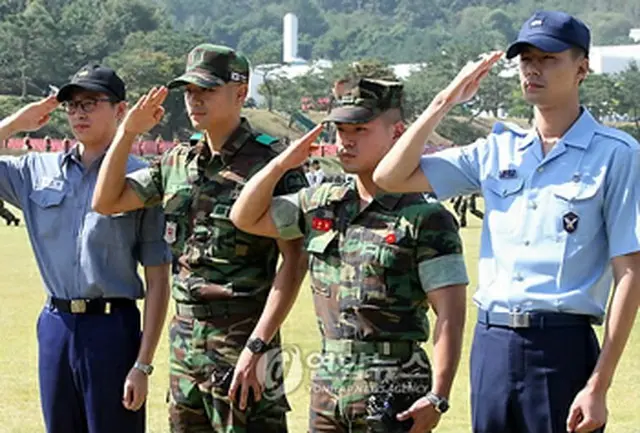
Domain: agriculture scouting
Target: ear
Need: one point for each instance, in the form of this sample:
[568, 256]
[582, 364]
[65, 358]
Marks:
[121, 110]
[398, 130]
[241, 93]
[583, 69]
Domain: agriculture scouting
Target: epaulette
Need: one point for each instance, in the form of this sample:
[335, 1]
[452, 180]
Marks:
[326, 193]
[618, 135]
[501, 127]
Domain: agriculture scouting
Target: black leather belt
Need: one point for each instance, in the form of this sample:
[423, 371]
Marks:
[533, 319]
[91, 306]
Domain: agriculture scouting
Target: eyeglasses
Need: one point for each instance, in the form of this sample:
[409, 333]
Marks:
[86, 105]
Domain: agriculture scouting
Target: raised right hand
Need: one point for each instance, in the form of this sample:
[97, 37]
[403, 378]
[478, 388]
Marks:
[147, 112]
[298, 151]
[466, 84]
[33, 116]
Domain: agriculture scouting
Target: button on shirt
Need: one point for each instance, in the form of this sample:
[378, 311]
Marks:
[552, 222]
[80, 253]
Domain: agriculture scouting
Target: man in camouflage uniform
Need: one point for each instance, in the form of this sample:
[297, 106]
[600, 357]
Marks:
[462, 203]
[7, 215]
[377, 261]
[230, 301]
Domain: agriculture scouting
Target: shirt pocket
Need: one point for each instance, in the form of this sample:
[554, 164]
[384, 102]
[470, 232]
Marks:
[576, 210]
[387, 271]
[48, 211]
[504, 214]
[324, 268]
[115, 230]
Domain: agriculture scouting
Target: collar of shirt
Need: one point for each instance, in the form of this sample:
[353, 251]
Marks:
[233, 144]
[579, 135]
[73, 155]
[387, 200]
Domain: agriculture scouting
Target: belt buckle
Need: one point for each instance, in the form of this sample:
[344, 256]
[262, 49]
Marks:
[519, 320]
[78, 306]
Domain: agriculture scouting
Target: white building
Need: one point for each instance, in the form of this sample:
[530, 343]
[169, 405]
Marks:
[613, 59]
[603, 59]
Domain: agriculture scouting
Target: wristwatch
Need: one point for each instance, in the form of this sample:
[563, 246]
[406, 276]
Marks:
[441, 404]
[256, 345]
[147, 369]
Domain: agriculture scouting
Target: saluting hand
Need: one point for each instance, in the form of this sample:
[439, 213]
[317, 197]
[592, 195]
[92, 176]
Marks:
[147, 112]
[33, 116]
[298, 151]
[467, 82]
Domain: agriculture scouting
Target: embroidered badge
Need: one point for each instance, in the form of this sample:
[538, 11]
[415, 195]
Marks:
[507, 174]
[321, 224]
[170, 230]
[570, 222]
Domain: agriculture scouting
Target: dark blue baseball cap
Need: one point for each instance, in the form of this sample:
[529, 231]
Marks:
[551, 32]
[95, 78]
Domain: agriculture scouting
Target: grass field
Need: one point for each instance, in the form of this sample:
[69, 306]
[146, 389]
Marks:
[22, 296]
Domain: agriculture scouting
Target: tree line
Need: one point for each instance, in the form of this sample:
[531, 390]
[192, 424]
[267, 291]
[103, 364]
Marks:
[43, 42]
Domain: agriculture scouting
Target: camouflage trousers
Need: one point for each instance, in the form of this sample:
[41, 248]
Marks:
[203, 351]
[6, 214]
[343, 384]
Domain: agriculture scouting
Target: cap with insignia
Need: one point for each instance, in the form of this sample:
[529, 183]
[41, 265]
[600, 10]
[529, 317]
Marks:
[551, 32]
[94, 78]
[211, 65]
[366, 100]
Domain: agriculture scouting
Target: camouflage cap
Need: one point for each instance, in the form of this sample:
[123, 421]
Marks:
[366, 100]
[211, 65]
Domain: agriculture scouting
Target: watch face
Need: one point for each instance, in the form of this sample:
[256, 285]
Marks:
[256, 345]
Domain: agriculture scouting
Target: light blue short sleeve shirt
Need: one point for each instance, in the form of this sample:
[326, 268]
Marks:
[80, 253]
[552, 223]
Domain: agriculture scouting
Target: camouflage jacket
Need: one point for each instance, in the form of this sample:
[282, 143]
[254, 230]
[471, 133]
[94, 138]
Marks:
[197, 190]
[370, 268]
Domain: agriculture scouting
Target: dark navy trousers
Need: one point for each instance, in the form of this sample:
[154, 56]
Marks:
[525, 380]
[83, 362]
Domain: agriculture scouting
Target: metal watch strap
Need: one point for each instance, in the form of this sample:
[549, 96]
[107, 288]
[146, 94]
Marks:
[147, 369]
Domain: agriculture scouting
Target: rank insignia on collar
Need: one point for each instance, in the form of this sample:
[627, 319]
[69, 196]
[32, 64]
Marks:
[570, 222]
[507, 174]
[321, 224]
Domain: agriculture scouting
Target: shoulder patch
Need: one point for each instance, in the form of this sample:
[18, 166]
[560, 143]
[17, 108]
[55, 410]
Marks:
[326, 193]
[501, 127]
[618, 135]
[266, 140]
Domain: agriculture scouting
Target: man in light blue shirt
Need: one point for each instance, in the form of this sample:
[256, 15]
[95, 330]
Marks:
[561, 224]
[93, 363]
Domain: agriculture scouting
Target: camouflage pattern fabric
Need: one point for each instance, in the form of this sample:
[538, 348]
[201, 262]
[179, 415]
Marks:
[364, 265]
[197, 190]
[366, 100]
[7, 215]
[367, 270]
[202, 353]
[213, 65]
[343, 384]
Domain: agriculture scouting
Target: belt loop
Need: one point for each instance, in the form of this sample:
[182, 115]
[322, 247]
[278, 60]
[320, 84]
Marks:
[542, 321]
[386, 348]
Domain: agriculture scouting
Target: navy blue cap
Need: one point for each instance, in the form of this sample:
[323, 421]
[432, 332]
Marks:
[95, 78]
[551, 32]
